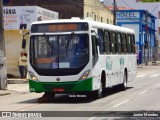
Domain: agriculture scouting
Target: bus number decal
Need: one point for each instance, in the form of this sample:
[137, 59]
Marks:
[109, 64]
[121, 62]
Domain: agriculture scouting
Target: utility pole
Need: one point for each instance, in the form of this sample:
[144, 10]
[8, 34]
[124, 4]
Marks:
[114, 12]
[3, 73]
[147, 40]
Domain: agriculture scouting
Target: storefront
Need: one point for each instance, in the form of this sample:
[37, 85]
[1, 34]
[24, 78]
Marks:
[17, 21]
[143, 23]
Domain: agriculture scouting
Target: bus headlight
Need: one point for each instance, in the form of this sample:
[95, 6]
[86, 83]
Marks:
[31, 76]
[85, 75]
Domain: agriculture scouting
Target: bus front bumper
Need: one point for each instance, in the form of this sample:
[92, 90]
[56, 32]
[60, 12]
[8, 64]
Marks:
[61, 87]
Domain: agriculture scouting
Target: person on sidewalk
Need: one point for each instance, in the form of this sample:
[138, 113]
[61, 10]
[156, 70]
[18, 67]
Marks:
[25, 71]
[22, 64]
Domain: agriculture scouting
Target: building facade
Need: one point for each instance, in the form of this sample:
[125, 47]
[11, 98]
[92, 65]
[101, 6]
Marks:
[152, 7]
[143, 24]
[71, 8]
[96, 10]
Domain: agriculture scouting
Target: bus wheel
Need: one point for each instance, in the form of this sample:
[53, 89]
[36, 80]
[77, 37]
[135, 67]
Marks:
[123, 86]
[98, 93]
[47, 97]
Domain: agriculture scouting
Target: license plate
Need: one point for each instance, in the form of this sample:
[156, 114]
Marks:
[58, 89]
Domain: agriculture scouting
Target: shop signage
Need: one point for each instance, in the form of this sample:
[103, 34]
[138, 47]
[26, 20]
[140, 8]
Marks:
[21, 17]
[127, 15]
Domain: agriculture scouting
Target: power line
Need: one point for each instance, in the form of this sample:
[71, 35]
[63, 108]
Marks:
[155, 8]
[118, 10]
[126, 4]
[106, 3]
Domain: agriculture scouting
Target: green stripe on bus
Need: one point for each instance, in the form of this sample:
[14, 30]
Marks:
[78, 86]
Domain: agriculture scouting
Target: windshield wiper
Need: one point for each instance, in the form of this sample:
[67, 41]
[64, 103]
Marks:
[68, 42]
[47, 40]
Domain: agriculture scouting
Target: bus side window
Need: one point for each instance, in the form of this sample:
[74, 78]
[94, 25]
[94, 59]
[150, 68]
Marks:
[113, 42]
[129, 43]
[125, 43]
[133, 44]
[107, 41]
[94, 46]
[119, 42]
[124, 49]
[101, 41]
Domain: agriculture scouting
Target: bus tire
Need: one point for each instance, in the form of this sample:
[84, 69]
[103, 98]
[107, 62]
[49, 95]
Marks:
[47, 97]
[123, 86]
[99, 93]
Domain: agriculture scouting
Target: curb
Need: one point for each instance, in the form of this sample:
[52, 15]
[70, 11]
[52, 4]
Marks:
[3, 94]
[17, 81]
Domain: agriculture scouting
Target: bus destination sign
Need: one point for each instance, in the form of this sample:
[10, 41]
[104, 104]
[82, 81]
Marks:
[59, 27]
[62, 27]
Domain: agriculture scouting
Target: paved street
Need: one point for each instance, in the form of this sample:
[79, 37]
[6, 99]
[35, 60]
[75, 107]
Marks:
[142, 95]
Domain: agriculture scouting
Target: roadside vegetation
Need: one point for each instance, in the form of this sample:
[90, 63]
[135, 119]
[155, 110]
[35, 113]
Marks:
[150, 0]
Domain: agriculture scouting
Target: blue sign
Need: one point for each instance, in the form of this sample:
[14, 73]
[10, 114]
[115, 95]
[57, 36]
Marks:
[127, 14]
[54, 65]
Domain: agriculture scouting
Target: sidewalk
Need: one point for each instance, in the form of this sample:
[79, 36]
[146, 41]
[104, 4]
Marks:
[15, 86]
[149, 64]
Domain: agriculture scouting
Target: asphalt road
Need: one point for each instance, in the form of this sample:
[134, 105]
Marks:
[141, 97]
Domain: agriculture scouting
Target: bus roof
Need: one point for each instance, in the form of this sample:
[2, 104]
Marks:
[93, 23]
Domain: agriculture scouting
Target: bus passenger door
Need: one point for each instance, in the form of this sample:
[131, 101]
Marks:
[94, 50]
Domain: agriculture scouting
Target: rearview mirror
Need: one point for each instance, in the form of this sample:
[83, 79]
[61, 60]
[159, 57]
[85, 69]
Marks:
[23, 43]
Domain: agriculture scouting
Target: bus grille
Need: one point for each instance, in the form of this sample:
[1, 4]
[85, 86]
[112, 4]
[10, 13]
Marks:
[50, 87]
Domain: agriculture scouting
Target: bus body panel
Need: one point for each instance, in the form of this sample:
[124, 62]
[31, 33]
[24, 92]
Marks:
[114, 67]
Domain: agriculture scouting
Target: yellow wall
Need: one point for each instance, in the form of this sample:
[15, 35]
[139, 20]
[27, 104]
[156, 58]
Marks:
[96, 10]
[13, 46]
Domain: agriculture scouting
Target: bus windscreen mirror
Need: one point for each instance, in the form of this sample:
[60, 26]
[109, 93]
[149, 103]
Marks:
[97, 41]
[92, 31]
[72, 35]
[23, 43]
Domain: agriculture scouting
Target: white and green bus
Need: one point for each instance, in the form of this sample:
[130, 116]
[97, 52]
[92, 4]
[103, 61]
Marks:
[72, 56]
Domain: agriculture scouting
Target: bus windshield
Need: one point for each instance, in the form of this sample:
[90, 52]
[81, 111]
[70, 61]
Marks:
[59, 51]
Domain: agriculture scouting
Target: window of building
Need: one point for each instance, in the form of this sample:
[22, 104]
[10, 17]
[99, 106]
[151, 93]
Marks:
[87, 14]
[101, 19]
[95, 17]
[108, 21]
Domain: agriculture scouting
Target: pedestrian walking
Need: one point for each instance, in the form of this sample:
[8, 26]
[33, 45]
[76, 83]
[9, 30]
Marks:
[26, 67]
[22, 61]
